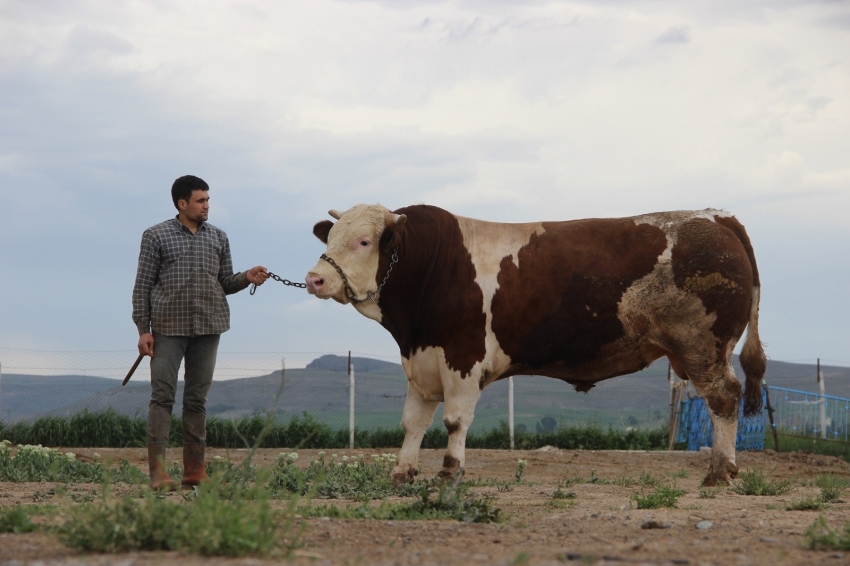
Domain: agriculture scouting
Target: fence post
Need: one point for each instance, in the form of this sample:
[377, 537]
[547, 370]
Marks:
[822, 389]
[511, 409]
[350, 402]
[1, 387]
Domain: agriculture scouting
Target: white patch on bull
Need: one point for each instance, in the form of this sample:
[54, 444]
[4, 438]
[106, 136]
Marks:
[488, 243]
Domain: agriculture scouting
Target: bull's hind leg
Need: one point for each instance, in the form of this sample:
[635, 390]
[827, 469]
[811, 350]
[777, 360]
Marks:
[722, 393]
[416, 418]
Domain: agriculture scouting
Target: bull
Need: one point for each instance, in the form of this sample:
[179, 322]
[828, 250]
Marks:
[469, 302]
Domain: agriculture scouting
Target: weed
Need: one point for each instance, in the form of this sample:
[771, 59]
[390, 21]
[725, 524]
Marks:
[520, 470]
[805, 504]
[662, 496]
[40, 464]
[820, 537]
[683, 474]
[208, 523]
[709, 492]
[451, 502]
[559, 494]
[754, 482]
[521, 559]
[15, 520]
[646, 479]
[831, 487]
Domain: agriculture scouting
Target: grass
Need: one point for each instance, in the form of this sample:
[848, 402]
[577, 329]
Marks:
[819, 536]
[663, 496]
[109, 429]
[754, 482]
[806, 504]
[832, 487]
[443, 502]
[15, 520]
[214, 522]
[823, 446]
[39, 464]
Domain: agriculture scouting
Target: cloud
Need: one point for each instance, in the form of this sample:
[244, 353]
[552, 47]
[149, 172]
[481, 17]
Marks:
[681, 34]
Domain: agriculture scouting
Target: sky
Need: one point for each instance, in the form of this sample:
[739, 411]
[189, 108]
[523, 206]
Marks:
[504, 111]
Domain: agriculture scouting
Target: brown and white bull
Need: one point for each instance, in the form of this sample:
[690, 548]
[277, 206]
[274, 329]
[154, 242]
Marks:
[470, 302]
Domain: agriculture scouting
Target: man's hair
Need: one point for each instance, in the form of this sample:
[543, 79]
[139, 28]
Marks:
[183, 187]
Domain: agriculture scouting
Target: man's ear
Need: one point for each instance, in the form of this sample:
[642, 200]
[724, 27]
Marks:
[391, 238]
[322, 229]
[182, 204]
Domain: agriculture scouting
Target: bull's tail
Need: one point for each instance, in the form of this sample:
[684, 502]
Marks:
[753, 359]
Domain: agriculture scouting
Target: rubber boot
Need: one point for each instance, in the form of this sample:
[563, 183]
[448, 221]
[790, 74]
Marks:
[193, 466]
[156, 462]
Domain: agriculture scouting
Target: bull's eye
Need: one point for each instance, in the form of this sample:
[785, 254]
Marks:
[364, 243]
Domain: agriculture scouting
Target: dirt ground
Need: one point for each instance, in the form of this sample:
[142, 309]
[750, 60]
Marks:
[600, 526]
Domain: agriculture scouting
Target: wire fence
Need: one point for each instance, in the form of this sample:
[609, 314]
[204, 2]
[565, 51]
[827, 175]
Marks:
[34, 384]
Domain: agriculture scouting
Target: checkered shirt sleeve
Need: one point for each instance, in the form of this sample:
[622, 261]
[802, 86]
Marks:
[182, 279]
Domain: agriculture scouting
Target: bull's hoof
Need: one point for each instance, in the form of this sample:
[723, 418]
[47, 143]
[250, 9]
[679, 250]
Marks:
[722, 474]
[404, 476]
[451, 475]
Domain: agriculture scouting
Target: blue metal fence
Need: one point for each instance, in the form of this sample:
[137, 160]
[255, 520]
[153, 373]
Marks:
[699, 430]
[801, 413]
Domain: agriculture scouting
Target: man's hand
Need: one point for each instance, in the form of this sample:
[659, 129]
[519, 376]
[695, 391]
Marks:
[146, 344]
[257, 275]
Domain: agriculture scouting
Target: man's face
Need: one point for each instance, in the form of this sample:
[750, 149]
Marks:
[198, 207]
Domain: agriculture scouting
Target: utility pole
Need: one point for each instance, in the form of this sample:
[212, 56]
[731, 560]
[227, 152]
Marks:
[822, 390]
[350, 402]
[511, 409]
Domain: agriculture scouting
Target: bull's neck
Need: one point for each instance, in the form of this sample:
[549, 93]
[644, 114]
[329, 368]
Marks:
[431, 293]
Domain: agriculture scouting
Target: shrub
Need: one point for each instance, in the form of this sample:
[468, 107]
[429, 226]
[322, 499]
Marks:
[662, 496]
[15, 520]
[754, 482]
[820, 537]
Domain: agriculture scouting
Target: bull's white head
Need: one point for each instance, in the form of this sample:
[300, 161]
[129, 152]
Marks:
[354, 244]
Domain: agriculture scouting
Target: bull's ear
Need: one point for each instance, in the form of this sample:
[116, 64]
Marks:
[321, 230]
[391, 238]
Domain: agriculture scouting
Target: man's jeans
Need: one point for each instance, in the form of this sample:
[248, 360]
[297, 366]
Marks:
[199, 353]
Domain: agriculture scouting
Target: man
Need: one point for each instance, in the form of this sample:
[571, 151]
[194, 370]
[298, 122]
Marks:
[179, 307]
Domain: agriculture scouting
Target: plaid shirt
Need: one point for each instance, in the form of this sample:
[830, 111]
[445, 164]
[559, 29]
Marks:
[182, 280]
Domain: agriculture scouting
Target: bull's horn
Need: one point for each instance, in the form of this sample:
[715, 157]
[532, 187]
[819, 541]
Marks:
[393, 219]
[335, 213]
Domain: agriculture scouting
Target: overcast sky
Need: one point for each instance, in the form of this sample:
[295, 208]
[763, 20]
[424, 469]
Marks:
[507, 111]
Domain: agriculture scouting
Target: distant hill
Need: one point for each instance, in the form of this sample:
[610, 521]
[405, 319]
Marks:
[321, 388]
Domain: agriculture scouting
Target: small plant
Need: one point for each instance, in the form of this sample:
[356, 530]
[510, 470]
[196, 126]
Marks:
[559, 494]
[520, 470]
[663, 496]
[754, 482]
[820, 537]
[15, 520]
[708, 492]
[805, 504]
[832, 487]
[683, 474]
[646, 479]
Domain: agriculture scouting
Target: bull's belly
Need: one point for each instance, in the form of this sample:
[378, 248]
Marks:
[585, 375]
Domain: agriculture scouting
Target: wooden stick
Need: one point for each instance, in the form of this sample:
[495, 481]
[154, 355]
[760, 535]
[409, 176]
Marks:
[133, 369]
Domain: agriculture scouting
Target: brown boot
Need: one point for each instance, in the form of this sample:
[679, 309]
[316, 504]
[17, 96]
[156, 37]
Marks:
[193, 465]
[156, 463]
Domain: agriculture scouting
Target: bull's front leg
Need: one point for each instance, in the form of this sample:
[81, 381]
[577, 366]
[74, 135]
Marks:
[461, 396]
[416, 418]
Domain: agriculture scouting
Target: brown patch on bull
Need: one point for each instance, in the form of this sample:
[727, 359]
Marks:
[451, 469]
[710, 261]
[452, 427]
[559, 306]
[431, 298]
[737, 228]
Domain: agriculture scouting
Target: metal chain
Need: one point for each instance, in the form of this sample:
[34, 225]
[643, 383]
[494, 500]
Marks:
[282, 280]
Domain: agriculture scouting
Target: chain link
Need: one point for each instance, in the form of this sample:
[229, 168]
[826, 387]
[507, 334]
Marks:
[282, 280]
[350, 292]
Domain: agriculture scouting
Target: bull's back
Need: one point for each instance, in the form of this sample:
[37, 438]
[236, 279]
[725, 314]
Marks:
[559, 301]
